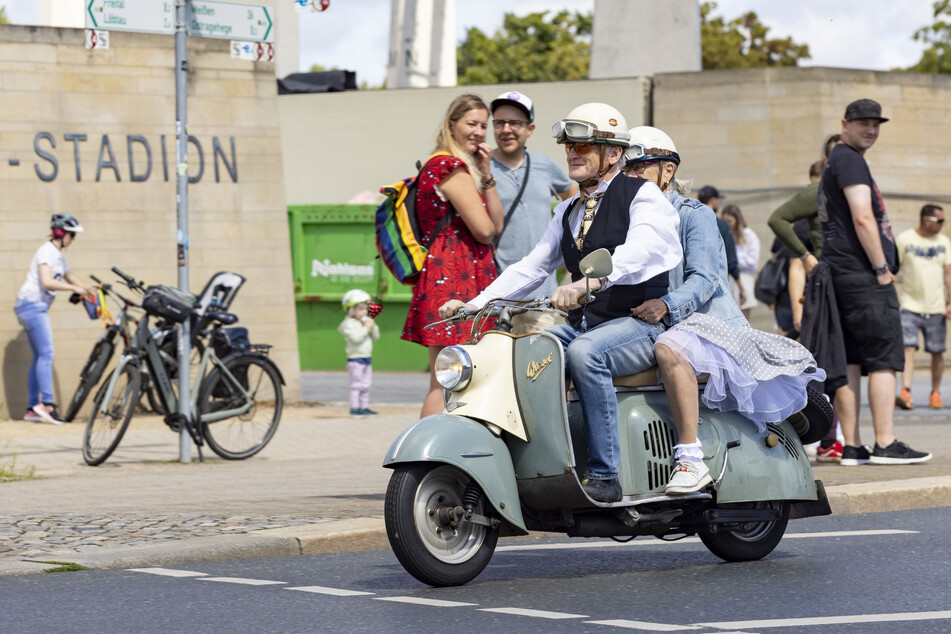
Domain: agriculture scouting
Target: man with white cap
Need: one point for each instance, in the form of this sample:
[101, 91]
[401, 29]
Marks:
[526, 182]
[631, 219]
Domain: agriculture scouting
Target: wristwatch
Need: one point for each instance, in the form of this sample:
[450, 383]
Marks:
[488, 183]
[805, 256]
[604, 282]
[880, 270]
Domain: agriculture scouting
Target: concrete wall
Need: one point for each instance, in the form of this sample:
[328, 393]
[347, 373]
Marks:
[339, 144]
[52, 87]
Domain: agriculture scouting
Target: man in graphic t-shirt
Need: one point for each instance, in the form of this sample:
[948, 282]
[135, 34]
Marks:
[859, 247]
[925, 256]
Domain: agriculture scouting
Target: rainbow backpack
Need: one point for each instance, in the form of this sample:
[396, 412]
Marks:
[398, 236]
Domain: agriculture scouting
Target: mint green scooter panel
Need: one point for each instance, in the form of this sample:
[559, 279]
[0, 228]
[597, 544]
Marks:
[471, 447]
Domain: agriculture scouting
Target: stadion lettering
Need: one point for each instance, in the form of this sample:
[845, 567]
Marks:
[140, 159]
[342, 271]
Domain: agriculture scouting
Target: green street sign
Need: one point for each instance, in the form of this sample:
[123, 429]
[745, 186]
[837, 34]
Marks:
[143, 16]
[231, 21]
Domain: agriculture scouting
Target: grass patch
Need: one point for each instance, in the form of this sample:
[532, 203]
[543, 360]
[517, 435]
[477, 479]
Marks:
[10, 473]
[63, 566]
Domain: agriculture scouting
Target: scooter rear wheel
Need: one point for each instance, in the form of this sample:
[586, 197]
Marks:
[751, 540]
[434, 550]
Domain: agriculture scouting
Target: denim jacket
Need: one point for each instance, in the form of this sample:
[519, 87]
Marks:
[700, 283]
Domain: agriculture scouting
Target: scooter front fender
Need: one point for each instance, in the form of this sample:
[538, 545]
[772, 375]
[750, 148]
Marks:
[470, 446]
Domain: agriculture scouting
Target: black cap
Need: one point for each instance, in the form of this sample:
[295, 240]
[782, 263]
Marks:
[707, 192]
[864, 109]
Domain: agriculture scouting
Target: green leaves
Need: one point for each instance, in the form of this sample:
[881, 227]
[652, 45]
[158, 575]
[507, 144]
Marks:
[527, 49]
[744, 42]
[937, 57]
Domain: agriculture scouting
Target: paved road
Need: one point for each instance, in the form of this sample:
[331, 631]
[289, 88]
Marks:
[876, 573]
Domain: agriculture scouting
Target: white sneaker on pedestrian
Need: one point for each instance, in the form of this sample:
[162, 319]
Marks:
[688, 477]
[48, 413]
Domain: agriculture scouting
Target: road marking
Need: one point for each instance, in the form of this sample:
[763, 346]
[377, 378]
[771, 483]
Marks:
[168, 572]
[644, 625]
[337, 592]
[247, 582]
[831, 620]
[437, 603]
[541, 614]
[696, 540]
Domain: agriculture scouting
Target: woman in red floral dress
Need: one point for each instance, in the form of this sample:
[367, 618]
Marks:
[460, 263]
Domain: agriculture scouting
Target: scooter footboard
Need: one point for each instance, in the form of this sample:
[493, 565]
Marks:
[471, 447]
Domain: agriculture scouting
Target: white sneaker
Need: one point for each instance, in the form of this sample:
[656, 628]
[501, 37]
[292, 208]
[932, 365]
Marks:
[688, 477]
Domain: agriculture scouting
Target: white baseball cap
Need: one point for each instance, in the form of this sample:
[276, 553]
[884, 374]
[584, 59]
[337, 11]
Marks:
[517, 99]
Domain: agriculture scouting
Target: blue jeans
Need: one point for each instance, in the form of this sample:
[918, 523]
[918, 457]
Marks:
[614, 348]
[35, 319]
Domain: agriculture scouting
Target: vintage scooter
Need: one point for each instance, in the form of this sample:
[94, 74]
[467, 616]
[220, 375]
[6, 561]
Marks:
[504, 459]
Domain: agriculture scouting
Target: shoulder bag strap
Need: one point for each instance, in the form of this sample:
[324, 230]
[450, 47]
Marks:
[518, 199]
[447, 217]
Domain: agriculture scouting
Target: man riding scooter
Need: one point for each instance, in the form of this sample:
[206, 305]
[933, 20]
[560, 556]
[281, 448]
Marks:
[635, 222]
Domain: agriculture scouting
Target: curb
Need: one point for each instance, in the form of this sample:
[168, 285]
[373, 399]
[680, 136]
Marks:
[361, 534]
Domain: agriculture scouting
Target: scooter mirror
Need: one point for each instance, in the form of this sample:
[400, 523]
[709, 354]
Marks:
[597, 264]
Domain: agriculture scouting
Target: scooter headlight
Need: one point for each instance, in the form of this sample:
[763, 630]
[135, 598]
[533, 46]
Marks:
[453, 368]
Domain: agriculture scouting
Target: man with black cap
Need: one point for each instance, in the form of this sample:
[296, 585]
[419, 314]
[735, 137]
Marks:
[710, 196]
[526, 182]
[859, 248]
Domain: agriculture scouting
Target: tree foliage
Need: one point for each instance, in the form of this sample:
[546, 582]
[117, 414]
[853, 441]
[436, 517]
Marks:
[744, 43]
[3, 16]
[527, 49]
[937, 57]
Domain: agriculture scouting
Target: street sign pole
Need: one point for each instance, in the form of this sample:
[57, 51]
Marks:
[181, 175]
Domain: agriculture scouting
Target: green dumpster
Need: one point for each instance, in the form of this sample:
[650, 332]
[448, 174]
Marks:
[333, 251]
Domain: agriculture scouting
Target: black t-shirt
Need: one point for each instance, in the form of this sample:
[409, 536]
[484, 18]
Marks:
[841, 248]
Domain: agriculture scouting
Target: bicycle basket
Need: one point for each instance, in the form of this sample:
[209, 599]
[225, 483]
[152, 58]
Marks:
[168, 302]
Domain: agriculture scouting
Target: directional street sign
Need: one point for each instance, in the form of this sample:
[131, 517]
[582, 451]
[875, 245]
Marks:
[144, 16]
[231, 21]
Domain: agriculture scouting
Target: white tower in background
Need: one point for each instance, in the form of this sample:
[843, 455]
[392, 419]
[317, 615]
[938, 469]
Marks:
[422, 44]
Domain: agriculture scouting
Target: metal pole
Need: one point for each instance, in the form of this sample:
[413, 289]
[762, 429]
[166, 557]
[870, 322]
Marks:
[181, 171]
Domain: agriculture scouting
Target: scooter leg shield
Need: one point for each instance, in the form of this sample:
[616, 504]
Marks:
[470, 446]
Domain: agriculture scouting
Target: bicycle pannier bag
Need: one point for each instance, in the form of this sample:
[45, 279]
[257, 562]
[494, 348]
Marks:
[168, 302]
[226, 341]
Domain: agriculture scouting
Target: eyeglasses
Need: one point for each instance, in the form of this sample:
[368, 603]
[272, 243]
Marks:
[940, 221]
[515, 124]
[580, 148]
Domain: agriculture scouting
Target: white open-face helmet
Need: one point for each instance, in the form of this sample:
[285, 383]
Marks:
[353, 297]
[650, 144]
[596, 123]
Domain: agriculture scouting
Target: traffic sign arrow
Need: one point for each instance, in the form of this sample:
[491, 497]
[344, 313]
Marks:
[144, 16]
[231, 21]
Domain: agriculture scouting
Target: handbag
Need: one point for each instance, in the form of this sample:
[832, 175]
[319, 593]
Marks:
[771, 280]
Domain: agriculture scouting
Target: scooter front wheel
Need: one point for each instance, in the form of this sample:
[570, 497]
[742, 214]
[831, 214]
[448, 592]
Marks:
[433, 545]
[750, 540]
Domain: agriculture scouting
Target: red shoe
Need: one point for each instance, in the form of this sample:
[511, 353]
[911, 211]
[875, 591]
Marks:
[832, 453]
[903, 400]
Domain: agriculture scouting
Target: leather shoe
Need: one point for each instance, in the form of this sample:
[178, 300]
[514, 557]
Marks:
[602, 490]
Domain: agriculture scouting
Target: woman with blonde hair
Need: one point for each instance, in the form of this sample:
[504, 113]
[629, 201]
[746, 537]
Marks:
[460, 212]
[747, 255]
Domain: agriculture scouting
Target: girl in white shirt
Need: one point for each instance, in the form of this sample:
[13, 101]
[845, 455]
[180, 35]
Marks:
[48, 274]
[747, 255]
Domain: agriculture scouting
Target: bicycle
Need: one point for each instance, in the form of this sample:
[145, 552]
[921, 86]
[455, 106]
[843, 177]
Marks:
[235, 406]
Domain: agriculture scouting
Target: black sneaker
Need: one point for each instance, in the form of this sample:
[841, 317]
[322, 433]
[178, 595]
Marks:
[366, 411]
[602, 490]
[898, 453]
[854, 456]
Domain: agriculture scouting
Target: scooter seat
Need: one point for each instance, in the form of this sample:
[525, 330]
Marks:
[646, 378]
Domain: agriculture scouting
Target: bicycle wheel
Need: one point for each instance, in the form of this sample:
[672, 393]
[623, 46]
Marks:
[170, 359]
[242, 436]
[105, 430]
[89, 377]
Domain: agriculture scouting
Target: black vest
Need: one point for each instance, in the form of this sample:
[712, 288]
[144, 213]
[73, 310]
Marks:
[608, 231]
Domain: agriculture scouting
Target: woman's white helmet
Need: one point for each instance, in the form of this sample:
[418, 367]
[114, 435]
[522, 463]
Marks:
[650, 144]
[592, 123]
[353, 297]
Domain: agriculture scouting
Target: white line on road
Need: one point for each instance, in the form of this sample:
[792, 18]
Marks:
[695, 540]
[337, 592]
[247, 582]
[437, 603]
[168, 572]
[540, 614]
[644, 625]
[831, 620]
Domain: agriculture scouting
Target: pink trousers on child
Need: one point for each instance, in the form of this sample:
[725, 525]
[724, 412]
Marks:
[361, 375]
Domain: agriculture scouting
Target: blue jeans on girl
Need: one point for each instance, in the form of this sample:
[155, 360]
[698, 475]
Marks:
[35, 319]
